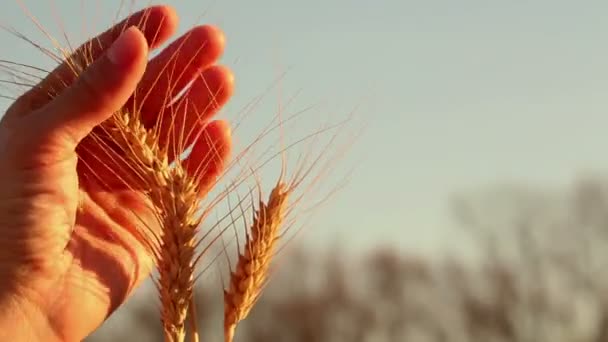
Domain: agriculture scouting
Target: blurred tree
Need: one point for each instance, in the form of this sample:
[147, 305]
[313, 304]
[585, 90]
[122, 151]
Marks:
[538, 279]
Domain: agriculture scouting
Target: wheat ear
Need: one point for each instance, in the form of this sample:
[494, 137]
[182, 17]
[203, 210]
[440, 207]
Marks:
[251, 272]
[175, 194]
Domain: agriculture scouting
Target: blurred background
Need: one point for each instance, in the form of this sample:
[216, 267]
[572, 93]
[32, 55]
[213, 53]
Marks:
[478, 205]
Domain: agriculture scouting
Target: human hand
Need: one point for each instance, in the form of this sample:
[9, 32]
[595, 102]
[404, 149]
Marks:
[68, 254]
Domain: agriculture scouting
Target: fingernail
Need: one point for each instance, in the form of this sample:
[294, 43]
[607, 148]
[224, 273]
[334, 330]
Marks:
[125, 49]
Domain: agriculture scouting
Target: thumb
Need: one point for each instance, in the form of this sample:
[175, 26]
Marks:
[102, 89]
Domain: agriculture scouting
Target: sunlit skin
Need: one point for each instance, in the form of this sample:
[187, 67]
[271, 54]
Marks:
[68, 256]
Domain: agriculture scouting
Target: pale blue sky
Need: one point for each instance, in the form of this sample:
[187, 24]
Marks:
[458, 94]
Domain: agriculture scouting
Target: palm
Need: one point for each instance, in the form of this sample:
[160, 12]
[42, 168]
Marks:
[77, 279]
[107, 262]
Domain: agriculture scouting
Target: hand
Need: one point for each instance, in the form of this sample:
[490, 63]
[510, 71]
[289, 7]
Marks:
[68, 255]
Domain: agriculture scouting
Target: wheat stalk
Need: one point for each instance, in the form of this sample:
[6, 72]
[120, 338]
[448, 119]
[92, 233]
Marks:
[268, 227]
[175, 195]
[251, 272]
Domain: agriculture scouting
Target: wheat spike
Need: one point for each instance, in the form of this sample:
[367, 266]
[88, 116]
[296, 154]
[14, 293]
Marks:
[176, 266]
[251, 272]
[174, 193]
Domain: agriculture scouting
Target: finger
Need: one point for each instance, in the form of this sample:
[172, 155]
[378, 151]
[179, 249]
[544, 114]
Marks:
[102, 159]
[185, 119]
[99, 92]
[195, 50]
[175, 67]
[209, 155]
[157, 23]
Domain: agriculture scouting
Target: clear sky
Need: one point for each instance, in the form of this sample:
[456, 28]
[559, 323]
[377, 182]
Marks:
[458, 94]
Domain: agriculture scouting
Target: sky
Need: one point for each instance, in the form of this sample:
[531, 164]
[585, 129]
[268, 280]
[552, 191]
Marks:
[456, 95]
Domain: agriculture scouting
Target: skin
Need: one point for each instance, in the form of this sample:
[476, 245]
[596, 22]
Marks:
[68, 255]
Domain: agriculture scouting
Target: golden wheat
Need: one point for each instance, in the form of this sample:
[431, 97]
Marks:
[175, 196]
[251, 272]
